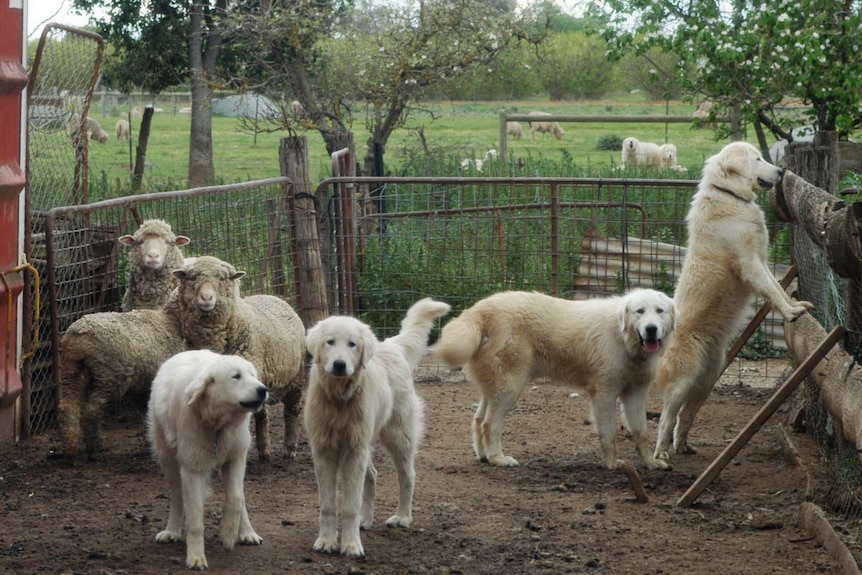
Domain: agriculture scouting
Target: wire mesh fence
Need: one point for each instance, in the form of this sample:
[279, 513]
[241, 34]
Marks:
[85, 268]
[460, 240]
[64, 74]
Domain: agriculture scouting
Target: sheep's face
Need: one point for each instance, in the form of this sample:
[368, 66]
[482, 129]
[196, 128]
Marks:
[207, 282]
[152, 248]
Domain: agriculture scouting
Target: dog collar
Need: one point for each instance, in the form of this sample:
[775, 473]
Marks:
[732, 193]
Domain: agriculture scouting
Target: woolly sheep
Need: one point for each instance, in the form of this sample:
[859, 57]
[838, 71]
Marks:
[105, 357]
[94, 130]
[545, 127]
[514, 129]
[263, 329]
[154, 255]
[121, 128]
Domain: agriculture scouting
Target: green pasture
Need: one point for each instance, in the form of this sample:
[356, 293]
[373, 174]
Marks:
[452, 131]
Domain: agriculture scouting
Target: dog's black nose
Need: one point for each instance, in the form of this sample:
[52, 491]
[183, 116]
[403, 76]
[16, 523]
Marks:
[339, 367]
[262, 392]
[781, 173]
[651, 331]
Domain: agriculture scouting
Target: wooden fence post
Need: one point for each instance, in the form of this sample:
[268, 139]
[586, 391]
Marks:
[305, 241]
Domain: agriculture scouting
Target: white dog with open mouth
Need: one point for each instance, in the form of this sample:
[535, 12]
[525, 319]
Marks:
[360, 390]
[198, 422]
[725, 265]
[607, 346]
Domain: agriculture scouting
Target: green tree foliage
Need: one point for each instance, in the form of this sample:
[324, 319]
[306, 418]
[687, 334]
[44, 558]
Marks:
[752, 55]
[656, 72]
[380, 59]
[574, 64]
[163, 43]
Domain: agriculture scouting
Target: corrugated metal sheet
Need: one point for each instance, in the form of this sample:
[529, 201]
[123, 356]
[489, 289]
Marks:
[610, 265]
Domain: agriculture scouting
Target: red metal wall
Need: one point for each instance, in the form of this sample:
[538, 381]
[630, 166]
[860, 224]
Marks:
[13, 78]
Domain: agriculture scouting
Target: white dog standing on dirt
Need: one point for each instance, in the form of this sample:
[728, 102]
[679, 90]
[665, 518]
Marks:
[725, 265]
[360, 390]
[607, 346]
[198, 422]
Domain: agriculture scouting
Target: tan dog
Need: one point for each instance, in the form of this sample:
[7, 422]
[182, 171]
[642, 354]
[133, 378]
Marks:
[607, 346]
[725, 265]
[360, 390]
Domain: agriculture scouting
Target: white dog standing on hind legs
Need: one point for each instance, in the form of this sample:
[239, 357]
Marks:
[361, 390]
[725, 265]
[198, 422]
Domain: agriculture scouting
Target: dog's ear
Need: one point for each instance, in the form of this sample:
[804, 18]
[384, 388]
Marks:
[312, 340]
[196, 389]
[736, 162]
[623, 316]
[672, 311]
[368, 341]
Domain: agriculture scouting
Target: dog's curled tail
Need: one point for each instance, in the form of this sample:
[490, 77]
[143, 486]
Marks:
[416, 326]
[460, 340]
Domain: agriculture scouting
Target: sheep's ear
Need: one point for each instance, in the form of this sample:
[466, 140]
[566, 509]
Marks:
[126, 240]
[179, 274]
[369, 346]
[237, 275]
[197, 388]
[181, 240]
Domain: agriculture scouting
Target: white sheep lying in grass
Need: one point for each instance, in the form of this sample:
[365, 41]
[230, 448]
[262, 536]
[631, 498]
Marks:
[545, 127]
[106, 357]
[155, 253]
[263, 329]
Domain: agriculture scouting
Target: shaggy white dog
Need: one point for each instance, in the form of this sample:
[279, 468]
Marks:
[725, 265]
[609, 347]
[198, 422]
[360, 390]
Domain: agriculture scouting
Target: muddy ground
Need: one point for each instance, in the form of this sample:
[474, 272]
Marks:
[559, 512]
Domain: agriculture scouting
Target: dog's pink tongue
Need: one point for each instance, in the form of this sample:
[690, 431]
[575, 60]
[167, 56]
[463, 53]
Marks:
[651, 345]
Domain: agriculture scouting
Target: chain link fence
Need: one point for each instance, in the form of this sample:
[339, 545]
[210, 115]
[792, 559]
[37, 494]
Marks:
[85, 267]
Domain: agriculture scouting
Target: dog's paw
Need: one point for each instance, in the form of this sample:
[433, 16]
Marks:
[325, 545]
[249, 538]
[657, 464]
[352, 549]
[685, 449]
[195, 561]
[168, 536]
[662, 454]
[503, 461]
[399, 521]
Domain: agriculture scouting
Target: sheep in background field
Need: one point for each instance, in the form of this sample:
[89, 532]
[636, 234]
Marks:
[121, 129]
[545, 127]
[154, 255]
[93, 129]
[514, 129]
[297, 110]
[263, 329]
[105, 357]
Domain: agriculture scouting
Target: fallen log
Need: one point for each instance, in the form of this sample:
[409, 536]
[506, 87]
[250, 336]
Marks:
[837, 375]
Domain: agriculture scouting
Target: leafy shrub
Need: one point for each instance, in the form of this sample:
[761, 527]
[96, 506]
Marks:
[610, 142]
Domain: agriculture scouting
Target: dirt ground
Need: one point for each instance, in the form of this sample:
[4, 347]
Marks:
[559, 512]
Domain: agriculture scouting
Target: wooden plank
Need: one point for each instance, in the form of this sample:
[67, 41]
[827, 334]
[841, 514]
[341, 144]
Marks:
[771, 406]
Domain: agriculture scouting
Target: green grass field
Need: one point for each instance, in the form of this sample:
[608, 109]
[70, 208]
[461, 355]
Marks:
[456, 130]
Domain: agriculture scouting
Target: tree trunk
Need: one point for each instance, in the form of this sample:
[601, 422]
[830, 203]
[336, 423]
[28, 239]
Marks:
[203, 56]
